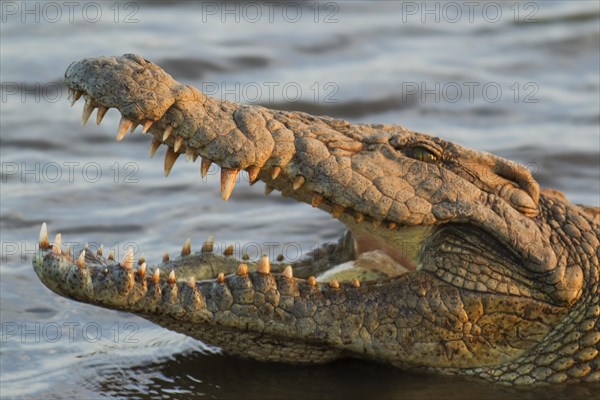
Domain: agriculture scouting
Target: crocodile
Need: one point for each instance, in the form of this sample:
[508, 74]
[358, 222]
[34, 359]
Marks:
[454, 260]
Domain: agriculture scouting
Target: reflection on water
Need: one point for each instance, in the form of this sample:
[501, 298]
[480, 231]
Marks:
[372, 62]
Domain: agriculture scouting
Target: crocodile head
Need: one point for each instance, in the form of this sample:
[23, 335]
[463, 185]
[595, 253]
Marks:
[453, 261]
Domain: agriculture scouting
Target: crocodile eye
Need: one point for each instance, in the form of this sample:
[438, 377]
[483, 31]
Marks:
[423, 154]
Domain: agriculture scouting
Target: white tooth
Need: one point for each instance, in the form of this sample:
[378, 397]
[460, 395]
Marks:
[88, 108]
[167, 133]
[124, 124]
[264, 265]
[189, 154]
[44, 244]
[81, 260]
[228, 177]
[100, 114]
[288, 272]
[147, 125]
[76, 97]
[178, 143]
[205, 166]
[154, 146]
[56, 246]
[170, 158]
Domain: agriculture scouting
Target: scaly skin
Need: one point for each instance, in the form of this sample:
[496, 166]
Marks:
[490, 277]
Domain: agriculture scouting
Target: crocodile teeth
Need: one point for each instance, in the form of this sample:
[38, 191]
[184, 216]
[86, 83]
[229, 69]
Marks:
[356, 283]
[312, 281]
[178, 143]
[147, 126]
[166, 257]
[124, 125]
[207, 247]
[317, 200]
[253, 172]
[392, 225]
[44, 244]
[269, 189]
[154, 146]
[88, 108]
[228, 177]
[81, 260]
[142, 259]
[167, 133]
[127, 261]
[334, 284]
[56, 246]
[288, 272]
[171, 278]
[298, 182]
[195, 156]
[67, 252]
[187, 248]
[111, 255]
[99, 251]
[204, 167]
[156, 276]
[242, 270]
[142, 270]
[191, 283]
[228, 250]
[133, 127]
[100, 114]
[275, 172]
[170, 158]
[221, 277]
[76, 97]
[189, 154]
[264, 265]
[337, 211]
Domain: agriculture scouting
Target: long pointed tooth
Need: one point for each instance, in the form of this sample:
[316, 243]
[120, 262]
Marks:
[337, 211]
[221, 277]
[264, 265]
[156, 276]
[191, 282]
[189, 153]
[228, 177]
[133, 127]
[171, 278]
[127, 261]
[100, 114]
[242, 270]
[317, 200]
[99, 251]
[147, 126]
[187, 248]
[88, 108]
[204, 167]
[253, 172]
[228, 250]
[154, 146]
[269, 189]
[43, 242]
[288, 272]
[76, 97]
[166, 257]
[275, 172]
[81, 260]
[167, 133]
[57, 245]
[298, 182]
[142, 270]
[195, 156]
[124, 125]
[170, 158]
[178, 143]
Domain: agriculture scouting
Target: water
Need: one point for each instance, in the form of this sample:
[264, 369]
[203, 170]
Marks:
[365, 62]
